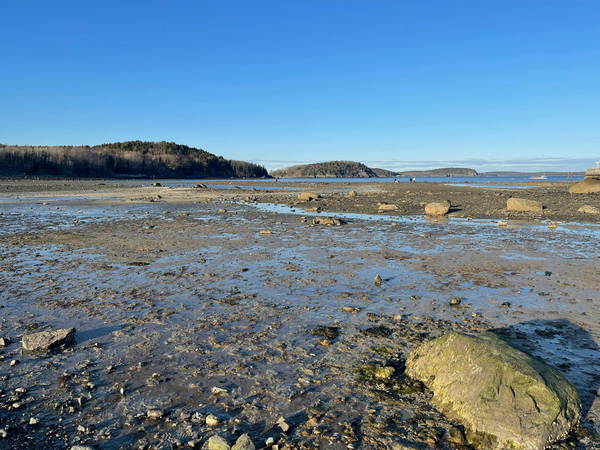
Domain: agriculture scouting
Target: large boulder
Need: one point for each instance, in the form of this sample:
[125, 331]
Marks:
[524, 205]
[437, 208]
[588, 185]
[308, 196]
[45, 341]
[504, 397]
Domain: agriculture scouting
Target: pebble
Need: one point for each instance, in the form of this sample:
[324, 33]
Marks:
[377, 280]
[154, 414]
[211, 420]
[283, 425]
[455, 301]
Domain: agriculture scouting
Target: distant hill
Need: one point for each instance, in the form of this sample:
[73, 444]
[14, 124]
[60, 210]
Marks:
[445, 172]
[531, 174]
[384, 173]
[330, 169]
[123, 159]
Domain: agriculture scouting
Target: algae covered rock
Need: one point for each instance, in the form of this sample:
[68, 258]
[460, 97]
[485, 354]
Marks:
[503, 396]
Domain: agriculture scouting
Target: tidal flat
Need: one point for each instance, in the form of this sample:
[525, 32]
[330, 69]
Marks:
[224, 311]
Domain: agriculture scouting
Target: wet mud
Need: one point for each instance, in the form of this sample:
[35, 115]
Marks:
[184, 310]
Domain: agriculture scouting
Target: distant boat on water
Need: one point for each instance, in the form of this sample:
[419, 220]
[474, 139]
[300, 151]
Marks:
[540, 177]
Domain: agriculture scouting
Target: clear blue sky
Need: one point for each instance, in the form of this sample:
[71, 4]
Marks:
[282, 81]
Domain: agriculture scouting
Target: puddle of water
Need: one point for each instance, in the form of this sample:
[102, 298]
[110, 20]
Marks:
[571, 228]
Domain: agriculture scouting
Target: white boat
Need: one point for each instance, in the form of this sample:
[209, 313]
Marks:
[540, 177]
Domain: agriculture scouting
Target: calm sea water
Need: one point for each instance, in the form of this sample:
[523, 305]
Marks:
[435, 179]
[469, 180]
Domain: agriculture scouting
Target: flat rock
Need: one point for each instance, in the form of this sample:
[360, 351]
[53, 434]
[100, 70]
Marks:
[44, 341]
[437, 208]
[504, 397]
[328, 221]
[524, 205]
[387, 207]
[307, 196]
[588, 209]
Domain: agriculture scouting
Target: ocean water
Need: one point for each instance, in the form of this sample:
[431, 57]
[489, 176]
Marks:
[481, 179]
[465, 180]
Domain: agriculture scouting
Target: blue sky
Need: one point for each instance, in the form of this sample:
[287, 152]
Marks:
[494, 84]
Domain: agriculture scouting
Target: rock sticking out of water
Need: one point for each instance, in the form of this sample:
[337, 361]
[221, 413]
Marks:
[44, 341]
[504, 397]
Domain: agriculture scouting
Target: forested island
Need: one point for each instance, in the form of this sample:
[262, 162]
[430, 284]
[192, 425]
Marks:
[122, 159]
[352, 169]
[330, 169]
[443, 172]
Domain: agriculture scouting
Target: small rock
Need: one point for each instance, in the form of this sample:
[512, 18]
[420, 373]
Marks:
[243, 443]
[218, 391]
[455, 301]
[3, 433]
[217, 443]
[377, 280]
[283, 425]
[212, 420]
[156, 184]
[4, 342]
[154, 414]
[44, 341]
[265, 232]
[328, 221]
[351, 194]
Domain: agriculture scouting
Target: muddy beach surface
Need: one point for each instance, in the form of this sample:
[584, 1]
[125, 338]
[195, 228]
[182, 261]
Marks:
[184, 310]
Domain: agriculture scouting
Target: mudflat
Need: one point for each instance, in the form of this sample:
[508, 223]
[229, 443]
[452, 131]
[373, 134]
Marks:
[192, 321]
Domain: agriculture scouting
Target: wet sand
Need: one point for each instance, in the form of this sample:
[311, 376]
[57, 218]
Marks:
[181, 306]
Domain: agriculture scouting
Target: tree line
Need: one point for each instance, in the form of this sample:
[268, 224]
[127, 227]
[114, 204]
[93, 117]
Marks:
[122, 159]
